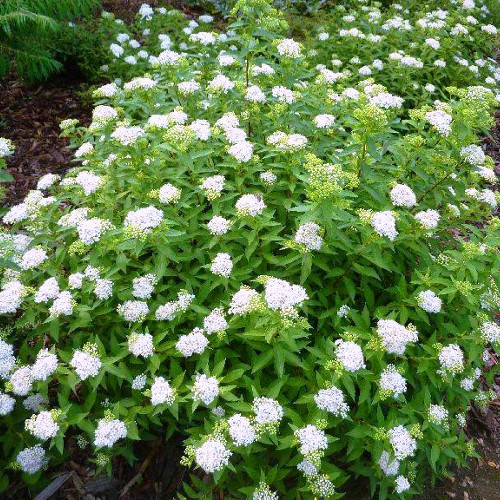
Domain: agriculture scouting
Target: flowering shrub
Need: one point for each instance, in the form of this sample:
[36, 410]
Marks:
[293, 270]
[6, 149]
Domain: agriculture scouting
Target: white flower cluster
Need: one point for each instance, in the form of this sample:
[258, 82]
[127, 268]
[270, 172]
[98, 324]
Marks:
[308, 235]
[451, 358]
[222, 265]
[429, 301]
[161, 392]
[311, 439]
[194, 342]
[205, 389]
[241, 430]
[168, 311]
[212, 456]
[403, 196]
[350, 355]
[384, 224]
[392, 381]
[108, 432]
[332, 400]
[86, 364]
[402, 443]
[394, 336]
[42, 426]
[141, 344]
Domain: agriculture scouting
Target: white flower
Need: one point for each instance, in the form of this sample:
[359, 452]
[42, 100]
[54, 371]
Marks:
[280, 295]
[395, 337]
[133, 310]
[201, 129]
[307, 235]
[127, 135]
[311, 439]
[6, 147]
[215, 322]
[288, 48]
[283, 95]
[392, 381]
[332, 400]
[7, 359]
[143, 286]
[473, 154]
[242, 151]
[250, 204]
[255, 94]
[221, 83]
[428, 219]
[213, 186]
[84, 150]
[6, 404]
[11, 297]
[218, 225]
[212, 456]
[72, 218]
[402, 443]
[91, 230]
[167, 58]
[350, 355]
[203, 37]
[222, 265]
[267, 410]
[32, 459]
[47, 181]
[241, 430]
[451, 358]
[389, 467]
[243, 301]
[194, 342]
[162, 392]
[490, 332]
[268, 177]
[85, 364]
[403, 196]
[142, 83]
[307, 468]
[33, 258]
[384, 224]
[188, 87]
[143, 220]
[89, 182]
[324, 121]
[21, 381]
[205, 389]
[141, 344]
[108, 432]
[103, 289]
[437, 414]
[42, 426]
[49, 290]
[139, 382]
[44, 365]
[402, 484]
[34, 402]
[429, 301]
[440, 120]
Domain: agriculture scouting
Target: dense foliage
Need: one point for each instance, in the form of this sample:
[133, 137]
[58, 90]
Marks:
[29, 32]
[283, 251]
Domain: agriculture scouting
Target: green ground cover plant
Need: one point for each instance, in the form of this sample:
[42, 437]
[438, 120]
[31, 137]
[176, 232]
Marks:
[263, 246]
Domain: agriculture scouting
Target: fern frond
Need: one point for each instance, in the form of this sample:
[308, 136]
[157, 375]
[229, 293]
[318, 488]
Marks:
[21, 17]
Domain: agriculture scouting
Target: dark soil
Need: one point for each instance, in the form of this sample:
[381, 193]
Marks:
[30, 117]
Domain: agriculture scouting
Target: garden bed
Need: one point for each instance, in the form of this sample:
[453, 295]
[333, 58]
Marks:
[30, 118]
